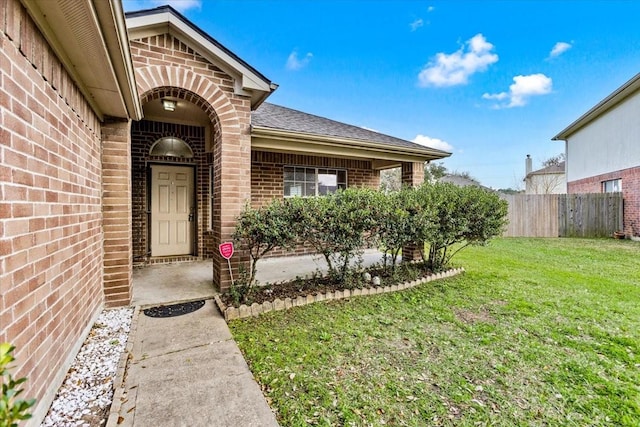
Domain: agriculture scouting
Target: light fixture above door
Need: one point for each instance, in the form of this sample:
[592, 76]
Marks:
[169, 105]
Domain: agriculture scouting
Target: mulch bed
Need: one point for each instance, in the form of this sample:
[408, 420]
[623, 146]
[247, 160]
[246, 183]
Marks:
[316, 285]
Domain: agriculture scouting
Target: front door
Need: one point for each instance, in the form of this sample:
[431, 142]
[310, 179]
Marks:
[172, 210]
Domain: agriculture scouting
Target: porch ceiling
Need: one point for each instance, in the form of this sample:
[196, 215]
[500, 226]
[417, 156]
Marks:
[185, 112]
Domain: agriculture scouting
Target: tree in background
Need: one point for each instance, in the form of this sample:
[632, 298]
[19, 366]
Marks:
[434, 171]
[554, 160]
[510, 190]
[391, 180]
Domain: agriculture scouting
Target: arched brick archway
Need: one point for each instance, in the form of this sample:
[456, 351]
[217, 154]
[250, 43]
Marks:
[155, 79]
[230, 153]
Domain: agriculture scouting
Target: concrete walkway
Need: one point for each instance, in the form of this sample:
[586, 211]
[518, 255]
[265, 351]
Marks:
[188, 371]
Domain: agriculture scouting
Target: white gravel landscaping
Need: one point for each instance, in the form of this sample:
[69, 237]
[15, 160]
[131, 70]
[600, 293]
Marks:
[86, 394]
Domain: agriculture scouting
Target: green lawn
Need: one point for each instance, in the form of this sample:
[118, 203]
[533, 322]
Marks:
[537, 332]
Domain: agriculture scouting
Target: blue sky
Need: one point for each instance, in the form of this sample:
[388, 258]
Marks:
[490, 81]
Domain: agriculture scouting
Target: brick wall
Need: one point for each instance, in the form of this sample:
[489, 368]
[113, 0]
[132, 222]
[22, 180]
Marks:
[116, 220]
[164, 64]
[267, 173]
[267, 179]
[630, 193]
[50, 208]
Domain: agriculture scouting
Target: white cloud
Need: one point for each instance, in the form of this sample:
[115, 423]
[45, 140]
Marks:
[497, 96]
[431, 9]
[416, 24]
[294, 63]
[559, 48]
[433, 143]
[455, 68]
[521, 90]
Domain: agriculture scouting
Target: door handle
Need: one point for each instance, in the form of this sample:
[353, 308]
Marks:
[191, 217]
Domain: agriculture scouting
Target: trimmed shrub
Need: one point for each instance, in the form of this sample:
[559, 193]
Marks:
[463, 216]
[403, 218]
[434, 217]
[258, 232]
[336, 226]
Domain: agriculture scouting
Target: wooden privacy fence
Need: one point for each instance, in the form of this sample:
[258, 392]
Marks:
[564, 215]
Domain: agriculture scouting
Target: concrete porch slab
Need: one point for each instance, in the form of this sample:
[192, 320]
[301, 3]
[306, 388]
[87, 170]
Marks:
[160, 284]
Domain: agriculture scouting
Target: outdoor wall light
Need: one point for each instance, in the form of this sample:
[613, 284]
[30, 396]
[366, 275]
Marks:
[169, 105]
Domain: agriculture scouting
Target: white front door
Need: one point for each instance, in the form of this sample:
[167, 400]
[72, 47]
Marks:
[172, 210]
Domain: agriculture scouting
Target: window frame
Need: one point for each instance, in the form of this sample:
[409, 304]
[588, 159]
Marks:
[616, 185]
[176, 143]
[295, 169]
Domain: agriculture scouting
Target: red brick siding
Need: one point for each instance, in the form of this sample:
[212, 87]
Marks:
[50, 208]
[163, 64]
[116, 207]
[267, 178]
[630, 193]
[267, 173]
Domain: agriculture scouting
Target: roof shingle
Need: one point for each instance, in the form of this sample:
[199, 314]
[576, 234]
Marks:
[283, 118]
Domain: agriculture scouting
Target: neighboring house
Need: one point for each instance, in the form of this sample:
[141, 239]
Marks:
[462, 181]
[603, 151]
[139, 139]
[548, 180]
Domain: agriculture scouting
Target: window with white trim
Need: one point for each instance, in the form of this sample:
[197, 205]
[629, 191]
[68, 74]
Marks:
[307, 182]
[612, 186]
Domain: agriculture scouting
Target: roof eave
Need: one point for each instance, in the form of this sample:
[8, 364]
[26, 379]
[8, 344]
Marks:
[324, 144]
[105, 78]
[249, 81]
[615, 98]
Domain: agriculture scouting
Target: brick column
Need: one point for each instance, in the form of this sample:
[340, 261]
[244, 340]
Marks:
[413, 176]
[116, 212]
[233, 188]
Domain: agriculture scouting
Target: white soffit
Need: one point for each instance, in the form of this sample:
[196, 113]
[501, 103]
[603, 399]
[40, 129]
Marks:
[94, 51]
[248, 81]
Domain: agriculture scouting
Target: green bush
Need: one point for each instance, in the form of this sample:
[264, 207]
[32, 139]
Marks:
[403, 218]
[341, 225]
[258, 232]
[336, 226]
[12, 409]
[463, 216]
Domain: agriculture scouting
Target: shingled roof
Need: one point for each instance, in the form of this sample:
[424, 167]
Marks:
[554, 168]
[282, 118]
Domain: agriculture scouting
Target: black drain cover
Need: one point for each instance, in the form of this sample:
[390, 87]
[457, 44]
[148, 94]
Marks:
[174, 309]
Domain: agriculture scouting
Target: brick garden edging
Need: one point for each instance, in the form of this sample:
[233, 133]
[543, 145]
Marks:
[255, 309]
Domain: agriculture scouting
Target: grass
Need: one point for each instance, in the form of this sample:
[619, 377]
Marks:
[537, 332]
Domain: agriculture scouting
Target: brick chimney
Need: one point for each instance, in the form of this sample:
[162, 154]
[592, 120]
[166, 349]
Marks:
[528, 165]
